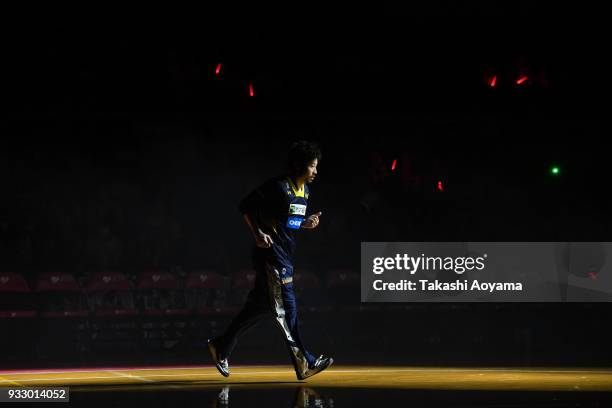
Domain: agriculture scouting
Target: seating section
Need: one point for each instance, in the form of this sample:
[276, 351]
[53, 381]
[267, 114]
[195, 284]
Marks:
[154, 310]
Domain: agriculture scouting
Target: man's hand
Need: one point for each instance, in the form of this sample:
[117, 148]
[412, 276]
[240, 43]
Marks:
[312, 221]
[263, 240]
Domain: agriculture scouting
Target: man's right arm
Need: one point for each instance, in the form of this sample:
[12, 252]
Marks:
[252, 203]
[262, 239]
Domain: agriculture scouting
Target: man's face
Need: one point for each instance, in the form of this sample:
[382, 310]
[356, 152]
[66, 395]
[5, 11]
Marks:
[311, 171]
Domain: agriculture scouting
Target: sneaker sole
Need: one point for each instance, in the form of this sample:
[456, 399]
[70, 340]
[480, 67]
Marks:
[213, 353]
[331, 361]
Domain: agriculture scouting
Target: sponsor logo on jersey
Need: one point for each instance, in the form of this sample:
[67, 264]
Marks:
[294, 222]
[297, 209]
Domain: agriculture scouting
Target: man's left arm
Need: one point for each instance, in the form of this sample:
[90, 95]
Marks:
[312, 221]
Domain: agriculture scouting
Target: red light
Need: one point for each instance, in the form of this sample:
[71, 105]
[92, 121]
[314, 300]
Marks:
[521, 80]
[393, 164]
[440, 186]
[493, 81]
[218, 69]
[592, 275]
[251, 91]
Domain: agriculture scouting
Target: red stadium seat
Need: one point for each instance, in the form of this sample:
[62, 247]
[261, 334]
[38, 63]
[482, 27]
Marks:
[114, 324]
[344, 288]
[60, 295]
[162, 299]
[309, 291]
[63, 305]
[242, 282]
[206, 291]
[161, 293]
[17, 316]
[16, 300]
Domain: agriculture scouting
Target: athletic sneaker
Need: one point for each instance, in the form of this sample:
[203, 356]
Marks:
[221, 364]
[321, 364]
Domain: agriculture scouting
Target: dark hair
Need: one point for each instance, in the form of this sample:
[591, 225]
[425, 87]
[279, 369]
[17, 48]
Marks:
[301, 153]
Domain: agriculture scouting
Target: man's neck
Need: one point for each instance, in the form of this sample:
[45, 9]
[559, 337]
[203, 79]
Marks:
[299, 182]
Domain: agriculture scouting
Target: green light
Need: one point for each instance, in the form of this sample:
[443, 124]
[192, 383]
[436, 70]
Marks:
[555, 170]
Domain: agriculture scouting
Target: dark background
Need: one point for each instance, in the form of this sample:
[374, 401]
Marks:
[122, 150]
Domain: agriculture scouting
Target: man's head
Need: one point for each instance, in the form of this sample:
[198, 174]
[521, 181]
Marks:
[304, 157]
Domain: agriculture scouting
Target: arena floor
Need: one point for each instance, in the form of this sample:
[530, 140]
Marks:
[346, 385]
